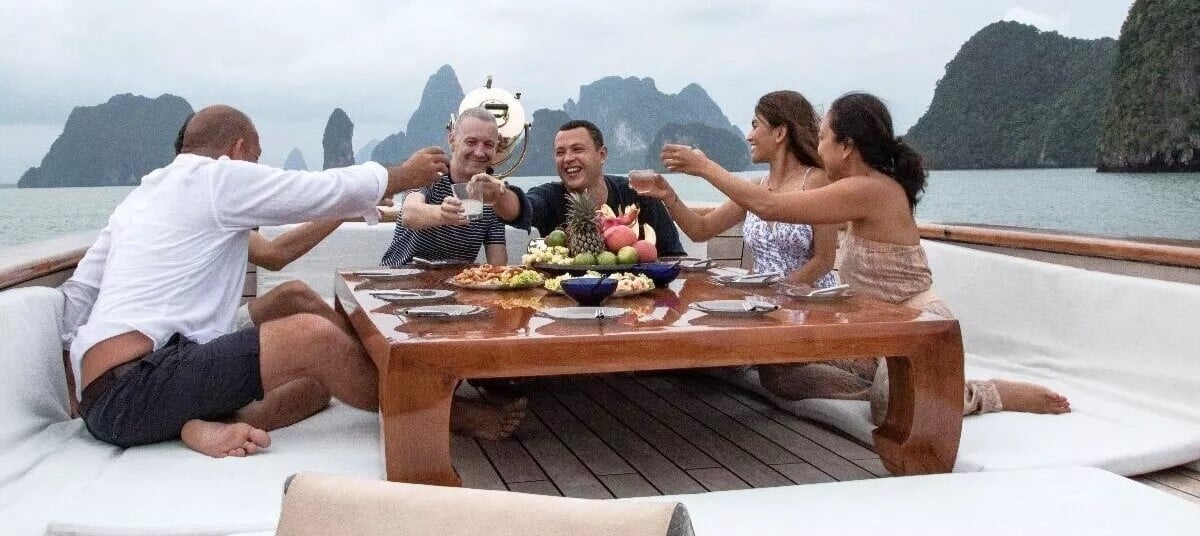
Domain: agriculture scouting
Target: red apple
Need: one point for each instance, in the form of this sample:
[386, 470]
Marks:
[647, 252]
[619, 236]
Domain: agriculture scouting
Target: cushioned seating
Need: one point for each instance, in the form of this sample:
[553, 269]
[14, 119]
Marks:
[52, 470]
[1062, 501]
[1123, 349]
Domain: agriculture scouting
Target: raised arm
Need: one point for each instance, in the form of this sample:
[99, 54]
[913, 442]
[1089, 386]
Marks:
[418, 214]
[697, 227]
[247, 195]
[420, 170]
[274, 254]
[848, 199]
[509, 202]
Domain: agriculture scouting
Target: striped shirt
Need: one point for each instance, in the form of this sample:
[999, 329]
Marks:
[447, 242]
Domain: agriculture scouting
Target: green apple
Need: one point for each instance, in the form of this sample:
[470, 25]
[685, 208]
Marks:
[556, 238]
[627, 255]
[606, 258]
[585, 259]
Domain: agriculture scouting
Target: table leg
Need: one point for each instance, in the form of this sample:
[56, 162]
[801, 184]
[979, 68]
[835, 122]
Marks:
[921, 432]
[414, 405]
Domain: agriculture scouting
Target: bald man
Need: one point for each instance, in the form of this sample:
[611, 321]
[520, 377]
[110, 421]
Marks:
[155, 357]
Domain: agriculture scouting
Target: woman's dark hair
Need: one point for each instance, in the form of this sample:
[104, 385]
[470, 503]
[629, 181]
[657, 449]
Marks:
[863, 119]
[790, 109]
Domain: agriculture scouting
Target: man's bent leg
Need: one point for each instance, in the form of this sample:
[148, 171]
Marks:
[285, 405]
[307, 345]
[293, 298]
[180, 388]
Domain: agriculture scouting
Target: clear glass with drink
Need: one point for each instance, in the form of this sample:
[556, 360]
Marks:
[642, 180]
[472, 199]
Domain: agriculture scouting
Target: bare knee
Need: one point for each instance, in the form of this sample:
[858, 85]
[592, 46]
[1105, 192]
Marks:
[314, 338]
[297, 297]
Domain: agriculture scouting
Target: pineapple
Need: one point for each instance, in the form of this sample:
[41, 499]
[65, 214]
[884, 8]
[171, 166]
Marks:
[583, 226]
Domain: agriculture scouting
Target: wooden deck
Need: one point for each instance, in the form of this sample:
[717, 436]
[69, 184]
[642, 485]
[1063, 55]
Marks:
[633, 435]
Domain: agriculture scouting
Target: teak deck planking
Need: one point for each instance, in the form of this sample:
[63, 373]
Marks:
[644, 434]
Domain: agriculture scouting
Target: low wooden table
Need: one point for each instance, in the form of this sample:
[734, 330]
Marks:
[421, 360]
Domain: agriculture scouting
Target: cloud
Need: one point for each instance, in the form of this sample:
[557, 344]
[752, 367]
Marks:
[290, 63]
[1060, 22]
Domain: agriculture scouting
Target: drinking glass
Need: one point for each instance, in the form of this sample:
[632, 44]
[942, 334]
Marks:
[642, 180]
[472, 199]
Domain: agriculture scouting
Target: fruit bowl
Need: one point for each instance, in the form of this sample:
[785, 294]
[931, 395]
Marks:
[661, 273]
[589, 291]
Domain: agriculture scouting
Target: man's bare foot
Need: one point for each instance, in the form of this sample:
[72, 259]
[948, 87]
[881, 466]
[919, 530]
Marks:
[218, 439]
[1030, 398]
[482, 420]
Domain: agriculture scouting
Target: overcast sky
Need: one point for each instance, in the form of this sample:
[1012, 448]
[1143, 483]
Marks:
[288, 64]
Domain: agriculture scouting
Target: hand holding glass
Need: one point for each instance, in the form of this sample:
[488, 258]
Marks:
[472, 199]
[642, 180]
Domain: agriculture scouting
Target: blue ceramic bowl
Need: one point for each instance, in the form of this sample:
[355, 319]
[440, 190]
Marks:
[661, 273]
[589, 291]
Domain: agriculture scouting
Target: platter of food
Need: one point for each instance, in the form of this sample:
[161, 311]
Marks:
[488, 277]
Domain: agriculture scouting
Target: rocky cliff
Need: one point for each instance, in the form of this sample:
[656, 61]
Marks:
[1153, 119]
[1018, 97]
[364, 152]
[631, 111]
[111, 144]
[722, 146]
[295, 160]
[338, 140]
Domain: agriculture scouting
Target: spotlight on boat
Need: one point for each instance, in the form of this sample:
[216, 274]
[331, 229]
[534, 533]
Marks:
[510, 116]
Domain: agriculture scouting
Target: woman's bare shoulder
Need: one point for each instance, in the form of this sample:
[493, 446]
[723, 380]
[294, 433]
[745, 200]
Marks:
[816, 179]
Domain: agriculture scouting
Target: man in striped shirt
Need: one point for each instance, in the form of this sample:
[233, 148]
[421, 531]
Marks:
[433, 225]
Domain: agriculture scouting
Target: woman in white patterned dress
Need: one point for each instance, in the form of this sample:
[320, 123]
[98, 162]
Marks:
[783, 135]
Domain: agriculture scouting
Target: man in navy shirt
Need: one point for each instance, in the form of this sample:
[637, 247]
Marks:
[579, 154]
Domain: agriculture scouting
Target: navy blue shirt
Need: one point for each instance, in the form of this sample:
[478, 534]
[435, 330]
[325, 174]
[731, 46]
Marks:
[549, 204]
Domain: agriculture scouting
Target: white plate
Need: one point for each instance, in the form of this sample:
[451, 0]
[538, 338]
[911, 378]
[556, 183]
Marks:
[441, 311]
[412, 294]
[584, 313]
[386, 275]
[746, 281]
[734, 307]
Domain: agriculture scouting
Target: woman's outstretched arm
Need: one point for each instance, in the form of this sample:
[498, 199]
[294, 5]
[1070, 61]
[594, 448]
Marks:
[848, 199]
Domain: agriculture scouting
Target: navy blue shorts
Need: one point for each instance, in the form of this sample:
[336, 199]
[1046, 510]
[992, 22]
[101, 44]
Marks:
[150, 399]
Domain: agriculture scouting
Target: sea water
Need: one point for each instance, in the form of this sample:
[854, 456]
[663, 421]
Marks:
[1164, 205]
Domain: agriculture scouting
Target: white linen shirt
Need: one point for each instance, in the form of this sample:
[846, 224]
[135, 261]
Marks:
[172, 258]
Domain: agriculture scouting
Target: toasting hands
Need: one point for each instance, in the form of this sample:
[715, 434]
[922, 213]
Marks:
[421, 169]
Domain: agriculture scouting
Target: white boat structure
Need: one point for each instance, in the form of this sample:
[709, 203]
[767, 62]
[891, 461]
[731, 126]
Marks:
[1110, 323]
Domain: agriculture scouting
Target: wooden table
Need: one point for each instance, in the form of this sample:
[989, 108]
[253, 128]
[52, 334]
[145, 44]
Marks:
[421, 360]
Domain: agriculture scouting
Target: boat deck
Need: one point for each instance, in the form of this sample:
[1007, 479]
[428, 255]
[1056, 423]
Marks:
[634, 435]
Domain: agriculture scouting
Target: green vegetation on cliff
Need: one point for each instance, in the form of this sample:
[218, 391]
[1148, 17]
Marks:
[1017, 97]
[1153, 120]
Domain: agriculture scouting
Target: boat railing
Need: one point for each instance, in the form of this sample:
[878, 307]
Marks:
[50, 262]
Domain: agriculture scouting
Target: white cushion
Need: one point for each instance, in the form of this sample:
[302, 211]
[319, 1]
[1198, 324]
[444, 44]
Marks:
[33, 391]
[1121, 348]
[179, 490]
[1065, 501]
